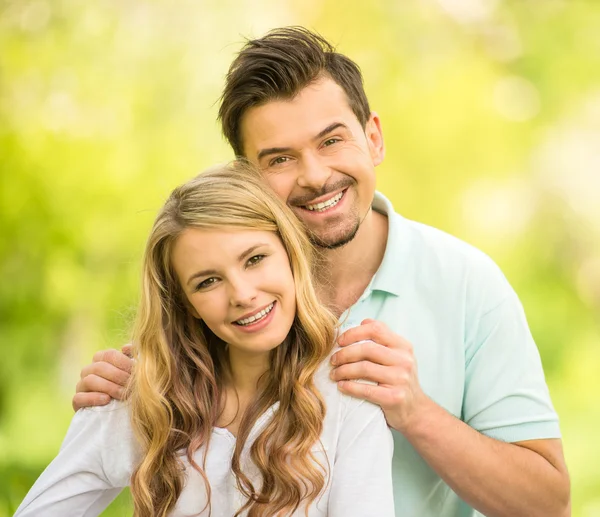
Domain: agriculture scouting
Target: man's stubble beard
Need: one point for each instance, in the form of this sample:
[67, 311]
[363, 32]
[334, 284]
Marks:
[347, 236]
[340, 240]
[335, 243]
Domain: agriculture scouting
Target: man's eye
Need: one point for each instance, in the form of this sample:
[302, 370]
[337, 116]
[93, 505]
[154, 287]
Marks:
[255, 260]
[330, 141]
[278, 161]
[206, 283]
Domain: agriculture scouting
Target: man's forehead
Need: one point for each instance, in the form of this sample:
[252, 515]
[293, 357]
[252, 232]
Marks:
[290, 122]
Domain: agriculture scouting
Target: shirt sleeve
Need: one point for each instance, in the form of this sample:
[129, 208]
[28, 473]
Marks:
[506, 396]
[361, 481]
[93, 465]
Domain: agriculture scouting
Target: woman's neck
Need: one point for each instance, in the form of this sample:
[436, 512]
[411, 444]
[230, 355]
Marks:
[246, 370]
[242, 386]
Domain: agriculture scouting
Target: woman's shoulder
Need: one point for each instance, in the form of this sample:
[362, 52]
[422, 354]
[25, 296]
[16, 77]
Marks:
[115, 413]
[333, 396]
[118, 408]
[107, 428]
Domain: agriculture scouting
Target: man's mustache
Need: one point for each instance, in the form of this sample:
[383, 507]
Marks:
[306, 199]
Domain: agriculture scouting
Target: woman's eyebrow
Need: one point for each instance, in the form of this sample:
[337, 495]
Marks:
[199, 274]
[251, 249]
[241, 256]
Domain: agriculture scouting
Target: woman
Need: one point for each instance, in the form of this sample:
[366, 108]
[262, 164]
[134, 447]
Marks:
[231, 410]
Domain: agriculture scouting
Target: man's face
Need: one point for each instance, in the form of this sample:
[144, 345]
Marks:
[316, 156]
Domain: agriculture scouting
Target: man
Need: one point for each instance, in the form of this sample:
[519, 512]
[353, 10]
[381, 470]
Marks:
[473, 427]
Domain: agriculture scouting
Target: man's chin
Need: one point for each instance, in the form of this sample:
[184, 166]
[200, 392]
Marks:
[332, 242]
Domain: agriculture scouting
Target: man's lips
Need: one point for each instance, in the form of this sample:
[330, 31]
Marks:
[326, 192]
[322, 199]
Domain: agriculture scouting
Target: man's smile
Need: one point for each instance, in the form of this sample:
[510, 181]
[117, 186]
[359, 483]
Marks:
[325, 202]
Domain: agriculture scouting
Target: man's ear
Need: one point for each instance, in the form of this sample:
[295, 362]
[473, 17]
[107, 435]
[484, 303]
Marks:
[374, 136]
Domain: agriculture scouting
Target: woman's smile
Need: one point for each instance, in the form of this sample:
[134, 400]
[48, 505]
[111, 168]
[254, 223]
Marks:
[239, 283]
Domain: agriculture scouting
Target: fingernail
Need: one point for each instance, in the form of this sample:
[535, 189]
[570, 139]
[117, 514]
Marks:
[333, 359]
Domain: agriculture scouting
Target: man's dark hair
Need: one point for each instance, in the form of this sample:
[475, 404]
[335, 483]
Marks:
[277, 67]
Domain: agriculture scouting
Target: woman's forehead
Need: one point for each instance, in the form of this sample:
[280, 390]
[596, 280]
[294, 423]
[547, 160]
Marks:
[218, 244]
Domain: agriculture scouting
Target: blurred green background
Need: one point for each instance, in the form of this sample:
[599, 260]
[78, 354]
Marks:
[491, 112]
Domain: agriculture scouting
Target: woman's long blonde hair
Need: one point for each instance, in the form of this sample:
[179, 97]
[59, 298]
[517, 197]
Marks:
[181, 366]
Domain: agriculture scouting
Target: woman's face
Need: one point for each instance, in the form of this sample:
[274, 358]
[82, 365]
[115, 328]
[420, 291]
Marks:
[240, 283]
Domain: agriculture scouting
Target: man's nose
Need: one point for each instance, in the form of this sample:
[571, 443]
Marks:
[314, 173]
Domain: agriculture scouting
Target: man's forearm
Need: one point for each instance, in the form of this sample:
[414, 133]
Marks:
[498, 479]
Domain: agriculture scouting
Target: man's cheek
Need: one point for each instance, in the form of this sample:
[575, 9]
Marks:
[281, 185]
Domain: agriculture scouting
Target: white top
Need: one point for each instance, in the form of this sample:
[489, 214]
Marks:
[99, 453]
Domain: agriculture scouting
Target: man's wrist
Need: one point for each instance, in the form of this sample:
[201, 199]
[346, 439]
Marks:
[421, 419]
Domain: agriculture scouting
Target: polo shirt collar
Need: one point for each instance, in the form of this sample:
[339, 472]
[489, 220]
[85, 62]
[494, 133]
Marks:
[388, 276]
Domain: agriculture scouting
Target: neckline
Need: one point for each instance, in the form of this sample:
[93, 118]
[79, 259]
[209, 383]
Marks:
[261, 421]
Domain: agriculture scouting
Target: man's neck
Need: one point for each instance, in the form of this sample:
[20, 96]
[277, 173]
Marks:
[345, 272]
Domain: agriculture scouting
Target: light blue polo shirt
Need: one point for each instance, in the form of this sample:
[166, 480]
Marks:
[474, 351]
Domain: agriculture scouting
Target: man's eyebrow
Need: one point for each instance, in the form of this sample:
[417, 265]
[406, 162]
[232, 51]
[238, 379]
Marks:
[272, 150]
[207, 272]
[279, 150]
[329, 129]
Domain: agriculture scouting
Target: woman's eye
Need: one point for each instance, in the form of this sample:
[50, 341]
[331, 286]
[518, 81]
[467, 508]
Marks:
[255, 260]
[206, 283]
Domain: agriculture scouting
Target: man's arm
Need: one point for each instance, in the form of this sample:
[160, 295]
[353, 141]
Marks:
[104, 379]
[525, 478]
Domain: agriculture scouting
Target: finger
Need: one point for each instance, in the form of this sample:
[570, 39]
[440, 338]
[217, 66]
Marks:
[374, 331]
[114, 357]
[94, 383]
[127, 350]
[106, 371]
[81, 400]
[365, 370]
[377, 394]
[367, 320]
[367, 350]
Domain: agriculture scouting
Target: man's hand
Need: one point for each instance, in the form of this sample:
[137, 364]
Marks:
[498, 479]
[383, 357]
[104, 379]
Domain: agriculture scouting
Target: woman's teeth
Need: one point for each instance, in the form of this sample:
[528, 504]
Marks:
[319, 207]
[256, 317]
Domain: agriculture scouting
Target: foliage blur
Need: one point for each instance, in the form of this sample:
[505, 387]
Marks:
[491, 111]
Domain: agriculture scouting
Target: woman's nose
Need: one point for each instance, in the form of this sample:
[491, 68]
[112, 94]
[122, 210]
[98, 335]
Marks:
[242, 293]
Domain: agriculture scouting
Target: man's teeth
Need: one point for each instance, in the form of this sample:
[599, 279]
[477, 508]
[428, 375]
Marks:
[256, 317]
[319, 207]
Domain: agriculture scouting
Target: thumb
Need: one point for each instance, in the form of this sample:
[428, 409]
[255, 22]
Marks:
[367, 321]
